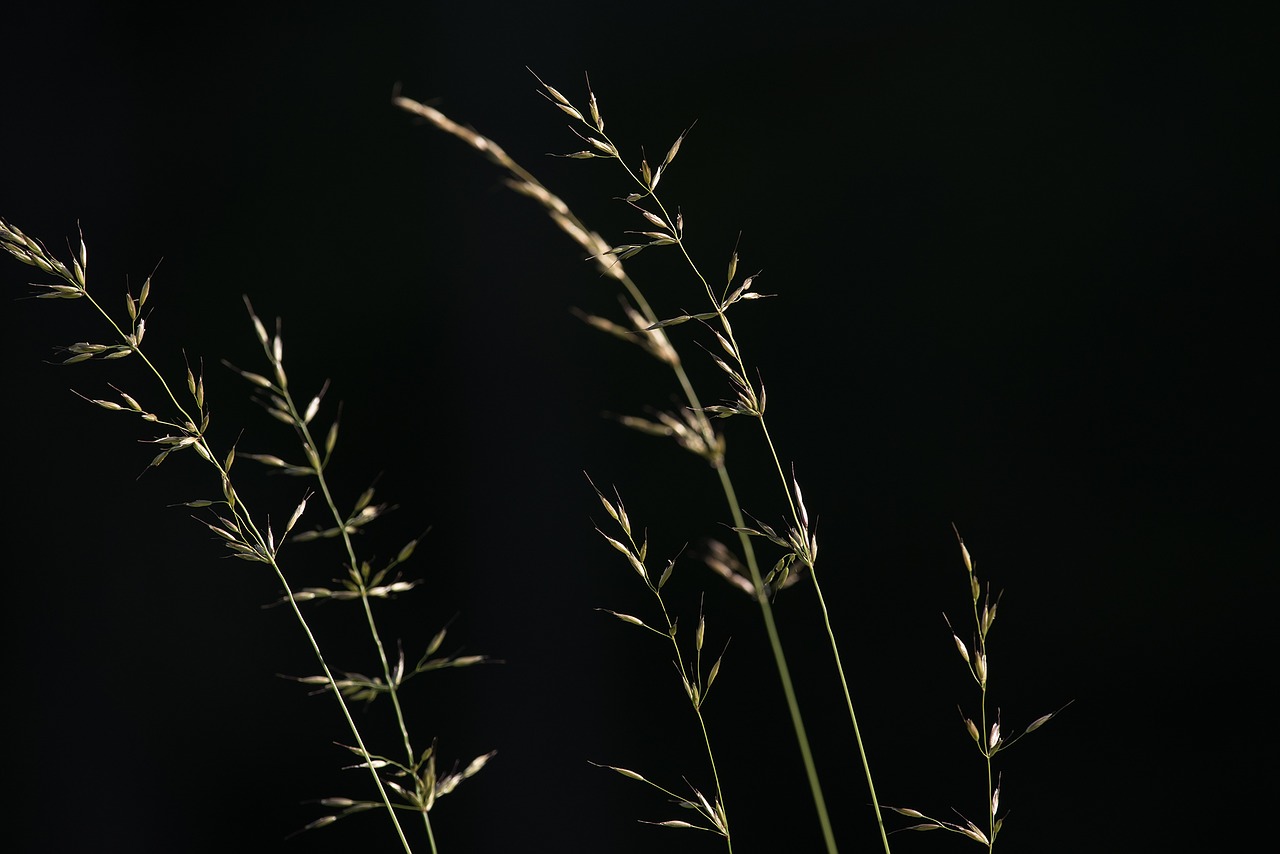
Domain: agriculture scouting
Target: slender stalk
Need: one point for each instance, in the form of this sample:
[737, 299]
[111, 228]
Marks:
[312, 448]
[780, 660]
[988, 747]
[346, 714]
[835, 652]
[696, 691]
[677, 237]
[715, 775]
[697, 711]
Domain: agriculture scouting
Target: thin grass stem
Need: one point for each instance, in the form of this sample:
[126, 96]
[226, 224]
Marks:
[313, 452]
[695, 688]
[676, 232]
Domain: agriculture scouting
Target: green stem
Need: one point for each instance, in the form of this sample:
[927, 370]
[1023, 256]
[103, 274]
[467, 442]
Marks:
[715, 775]
[853, 717]
[985, 731]
[784, 673]
[431, 837]
[357, 577]
[346, 712]
[695, 701]
[835, 652]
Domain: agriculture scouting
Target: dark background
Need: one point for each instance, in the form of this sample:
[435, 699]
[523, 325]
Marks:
[1024, 271]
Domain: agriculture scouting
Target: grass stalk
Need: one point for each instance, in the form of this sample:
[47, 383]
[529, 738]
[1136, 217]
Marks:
[319, 463]
[987, 734]
[696, 686]
[365, 584]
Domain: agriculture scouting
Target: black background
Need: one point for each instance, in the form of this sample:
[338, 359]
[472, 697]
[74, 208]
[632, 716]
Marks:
[1024, 271]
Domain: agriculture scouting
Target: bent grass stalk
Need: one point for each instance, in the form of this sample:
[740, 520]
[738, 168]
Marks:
[248, 540]
[692, 427]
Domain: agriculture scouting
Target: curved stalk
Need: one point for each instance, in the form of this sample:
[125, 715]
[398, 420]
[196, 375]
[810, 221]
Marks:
[524, 182]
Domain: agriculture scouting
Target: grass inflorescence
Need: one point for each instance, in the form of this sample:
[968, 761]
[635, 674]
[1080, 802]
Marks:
[656, 226]
[404, 778]
[763, 555]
